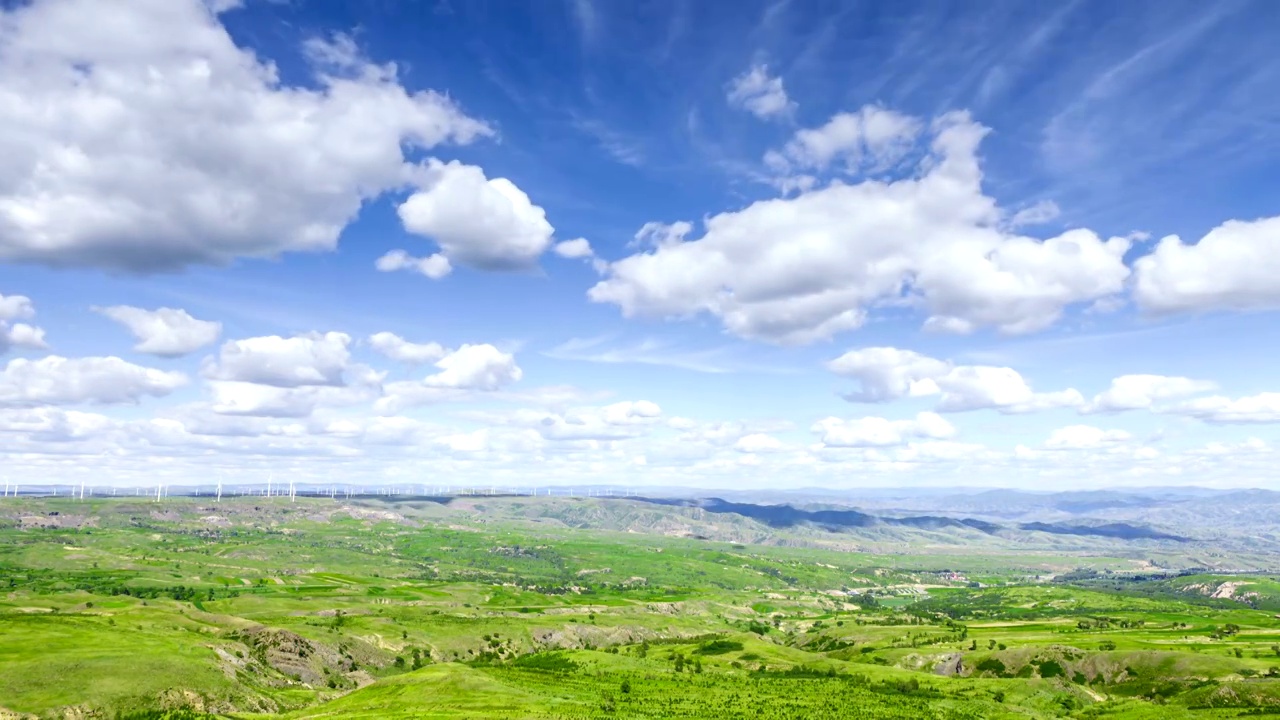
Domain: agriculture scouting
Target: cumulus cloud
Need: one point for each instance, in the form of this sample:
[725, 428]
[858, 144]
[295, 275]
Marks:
[1233, 267]
[54, 424]
[1141, 392]
[397, 348]
[479, 222]
[475, 367]
[166, 332]
[880, 432]
[760, 94]
[578, 248]
[610, 422]
[13, 307]
[1219, 409]
[21, 335]
[55, 380]
[886, 373]
[466, 370]
[433, 266]
[253, 399]
[187, 149]
[505, 444]
[308, 359]
[978, 387]
[758, 443]
[872, 138]
[1084, 437]
[802, 269]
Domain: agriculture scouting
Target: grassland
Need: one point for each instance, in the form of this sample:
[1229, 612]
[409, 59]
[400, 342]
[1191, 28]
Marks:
[258, 608]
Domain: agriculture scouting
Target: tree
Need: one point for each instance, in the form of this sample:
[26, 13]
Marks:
[626, 686]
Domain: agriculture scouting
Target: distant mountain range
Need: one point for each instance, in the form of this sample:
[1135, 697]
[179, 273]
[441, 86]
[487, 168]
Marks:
[787, 516]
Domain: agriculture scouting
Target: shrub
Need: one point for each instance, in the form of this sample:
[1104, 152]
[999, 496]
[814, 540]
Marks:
[991, 665]
[718, 647]
[1050, 669]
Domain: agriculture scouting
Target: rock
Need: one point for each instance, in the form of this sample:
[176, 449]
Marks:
[952, 664]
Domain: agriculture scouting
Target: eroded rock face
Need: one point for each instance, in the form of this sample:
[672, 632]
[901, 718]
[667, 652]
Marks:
[295, 656]
[952, 664]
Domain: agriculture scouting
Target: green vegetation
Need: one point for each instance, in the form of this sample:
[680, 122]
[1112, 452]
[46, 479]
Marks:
[501, 608]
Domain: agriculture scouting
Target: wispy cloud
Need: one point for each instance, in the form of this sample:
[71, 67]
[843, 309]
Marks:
[587, 19]
[618, 145]
[650, 351]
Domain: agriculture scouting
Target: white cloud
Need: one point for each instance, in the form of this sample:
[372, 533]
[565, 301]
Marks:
[759, 94]
[880, 432]
[13, 307]
[397, 348]
[574, 249]
[468, 370]
[1084, 437]
[55, 380]
[1037, 214]
[872, 138]
[21, 335]
[885, 373]
[758, 443]
[504, 445]
[1260, 408]
[175, 147]
[308, 359]
[1139, 392]
[475, 367]
[977, 387]
[618, 420]
[253, 399]
[433, 266]
[1233, 267]
[166, 332]
[52, 424]
[803, 269]
[479, 222]
[631, 412]
[1217, 449]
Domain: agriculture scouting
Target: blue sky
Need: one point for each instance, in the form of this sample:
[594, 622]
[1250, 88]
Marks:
[665, 243]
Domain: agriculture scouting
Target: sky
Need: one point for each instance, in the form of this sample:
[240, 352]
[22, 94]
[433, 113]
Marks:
[662, 243]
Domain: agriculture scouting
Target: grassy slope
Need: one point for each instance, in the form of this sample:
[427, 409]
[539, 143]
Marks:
[361, 588]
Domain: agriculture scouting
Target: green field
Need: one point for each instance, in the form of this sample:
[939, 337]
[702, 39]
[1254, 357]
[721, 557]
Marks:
[256, 608]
